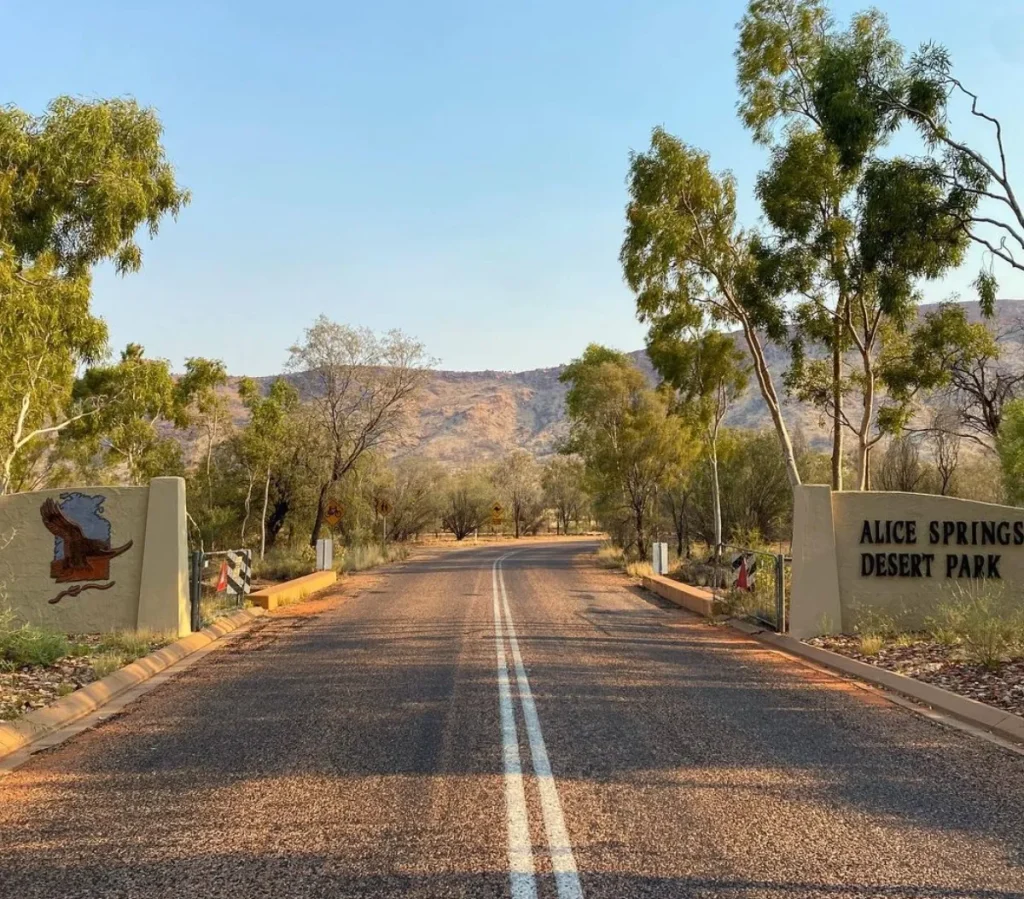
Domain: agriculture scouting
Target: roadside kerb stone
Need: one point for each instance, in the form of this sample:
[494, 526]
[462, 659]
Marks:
[987, 717]
[35, 725]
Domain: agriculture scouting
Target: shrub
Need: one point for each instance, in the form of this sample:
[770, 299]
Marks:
[29, 645]
[979, 618]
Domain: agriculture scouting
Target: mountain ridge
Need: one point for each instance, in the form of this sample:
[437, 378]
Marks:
[470, 416]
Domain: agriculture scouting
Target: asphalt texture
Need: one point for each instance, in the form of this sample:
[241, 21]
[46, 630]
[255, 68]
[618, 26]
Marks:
[360, 753]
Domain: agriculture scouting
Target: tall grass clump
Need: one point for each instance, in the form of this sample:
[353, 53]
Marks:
[610, 556]
[980, 619]
[22, 645]
[364, 556]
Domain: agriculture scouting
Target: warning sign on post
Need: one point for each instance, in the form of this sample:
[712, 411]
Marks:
[333, 513]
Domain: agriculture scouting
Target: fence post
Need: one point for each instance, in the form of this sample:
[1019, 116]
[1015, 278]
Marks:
[780, 593]
[195, 588]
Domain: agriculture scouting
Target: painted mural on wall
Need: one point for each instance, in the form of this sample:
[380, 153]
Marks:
[82, 543]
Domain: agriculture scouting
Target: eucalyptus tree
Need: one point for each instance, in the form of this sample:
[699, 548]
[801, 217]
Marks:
[263, 445]
[689, 263]
[136, 403]
[860, 229]
[76, 184]
[564, 486]
[362, 390]
[630, 441]
[707, 373]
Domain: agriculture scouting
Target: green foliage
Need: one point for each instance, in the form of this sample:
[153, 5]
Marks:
[75, 185]
[27, 645]
[755, 491]
[564, 484]
[1010, 446]
[79, 180]
[466, 504]
[986, 286]
[133, 400]
[516, 479]
[779, 46]
[628, 439]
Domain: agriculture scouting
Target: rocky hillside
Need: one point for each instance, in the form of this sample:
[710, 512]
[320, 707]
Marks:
[473, 416]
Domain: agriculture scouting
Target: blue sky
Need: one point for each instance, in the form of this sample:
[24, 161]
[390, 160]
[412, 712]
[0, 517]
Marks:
[455, 169]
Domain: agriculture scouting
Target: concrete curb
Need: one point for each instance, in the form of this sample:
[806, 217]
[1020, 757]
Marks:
[33, 726]
[986, 717]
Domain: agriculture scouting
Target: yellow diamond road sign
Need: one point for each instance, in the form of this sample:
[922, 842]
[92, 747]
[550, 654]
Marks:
[332, 514]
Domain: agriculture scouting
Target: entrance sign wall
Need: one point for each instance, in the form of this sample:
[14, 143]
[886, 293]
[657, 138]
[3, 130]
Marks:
[897, 553]
[93, 559]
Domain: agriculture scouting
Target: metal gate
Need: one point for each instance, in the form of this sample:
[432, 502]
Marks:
[757, 582]
[238, 579]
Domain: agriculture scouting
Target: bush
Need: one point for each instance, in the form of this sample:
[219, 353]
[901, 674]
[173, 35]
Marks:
[29, 645]
[980, 619]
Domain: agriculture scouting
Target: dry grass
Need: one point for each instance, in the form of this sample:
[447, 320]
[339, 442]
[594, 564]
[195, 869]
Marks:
[610, 556]
[871, 644]
[107, 663]
[639, 569]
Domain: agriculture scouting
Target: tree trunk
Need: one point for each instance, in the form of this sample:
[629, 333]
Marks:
[771, 399]
[248, 506]
[864, 433]
[837, 403]
[641, 540]
[321, 506]
[716, 497]
[263, 517]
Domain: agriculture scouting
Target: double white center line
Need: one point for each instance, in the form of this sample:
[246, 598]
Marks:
[522, 870]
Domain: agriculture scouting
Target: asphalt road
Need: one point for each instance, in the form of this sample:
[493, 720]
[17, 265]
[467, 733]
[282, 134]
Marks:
[605, 746]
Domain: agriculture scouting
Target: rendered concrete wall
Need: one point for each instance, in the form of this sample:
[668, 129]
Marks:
[912, 585]
[94, 559]
[901, 554]
[814, 606]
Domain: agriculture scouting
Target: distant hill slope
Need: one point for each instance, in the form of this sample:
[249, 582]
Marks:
[474, 416]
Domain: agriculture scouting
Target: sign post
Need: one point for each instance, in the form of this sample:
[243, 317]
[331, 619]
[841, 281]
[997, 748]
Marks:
[383, 506]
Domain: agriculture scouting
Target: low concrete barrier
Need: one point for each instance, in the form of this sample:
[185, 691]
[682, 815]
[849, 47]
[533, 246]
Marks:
[292, 591]
[693, 598]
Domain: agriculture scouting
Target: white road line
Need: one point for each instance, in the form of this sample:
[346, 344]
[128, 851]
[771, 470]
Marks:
[563, 862]
[522, 873]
